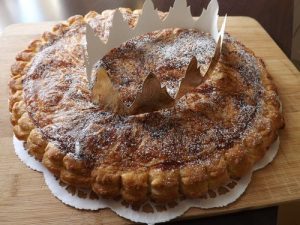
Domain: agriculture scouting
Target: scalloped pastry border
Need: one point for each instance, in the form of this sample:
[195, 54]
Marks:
[139, 215]
[137, 186]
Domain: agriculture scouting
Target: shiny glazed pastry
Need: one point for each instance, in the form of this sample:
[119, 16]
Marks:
[216, 132]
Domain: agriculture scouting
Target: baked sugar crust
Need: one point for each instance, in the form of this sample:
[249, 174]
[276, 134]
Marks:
[184, 163]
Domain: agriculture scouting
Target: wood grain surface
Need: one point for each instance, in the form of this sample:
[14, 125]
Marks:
[25, 199]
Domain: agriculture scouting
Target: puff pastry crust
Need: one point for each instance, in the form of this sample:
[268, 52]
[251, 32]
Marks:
[131, 167]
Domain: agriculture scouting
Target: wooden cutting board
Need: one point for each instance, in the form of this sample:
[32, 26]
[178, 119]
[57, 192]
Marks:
[25, 199]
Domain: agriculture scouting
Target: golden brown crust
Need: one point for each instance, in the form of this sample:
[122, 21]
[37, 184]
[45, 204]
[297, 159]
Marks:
[53, 159]
[75, 173]
[217, 173]
[136, 186]
[164, 185]
[194, 181]
[18, 110]
[238, 163]
[106, 181]
[36, 144]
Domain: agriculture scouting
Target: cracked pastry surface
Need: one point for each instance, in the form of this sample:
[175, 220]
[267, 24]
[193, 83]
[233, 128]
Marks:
[216, 132]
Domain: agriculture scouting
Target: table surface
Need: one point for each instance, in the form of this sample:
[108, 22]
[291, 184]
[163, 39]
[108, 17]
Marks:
[25, 199]
[265, 216]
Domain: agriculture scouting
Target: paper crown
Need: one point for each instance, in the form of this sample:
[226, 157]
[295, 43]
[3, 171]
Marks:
[152, 97]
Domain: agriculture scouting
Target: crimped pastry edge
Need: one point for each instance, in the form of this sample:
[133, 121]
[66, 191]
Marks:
[137, 186]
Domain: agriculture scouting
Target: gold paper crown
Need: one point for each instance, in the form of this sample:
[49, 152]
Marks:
[152, 96]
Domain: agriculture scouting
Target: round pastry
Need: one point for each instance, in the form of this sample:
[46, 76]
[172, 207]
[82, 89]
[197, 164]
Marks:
[214, 133]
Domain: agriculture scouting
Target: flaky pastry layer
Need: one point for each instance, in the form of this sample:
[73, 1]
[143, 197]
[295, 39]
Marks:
[137, 185]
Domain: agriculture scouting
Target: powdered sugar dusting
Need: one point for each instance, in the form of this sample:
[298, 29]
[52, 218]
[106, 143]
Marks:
[204, 123]
[166, 53]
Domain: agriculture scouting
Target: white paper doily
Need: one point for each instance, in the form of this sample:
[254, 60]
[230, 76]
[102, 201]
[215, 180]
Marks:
[149, 212]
